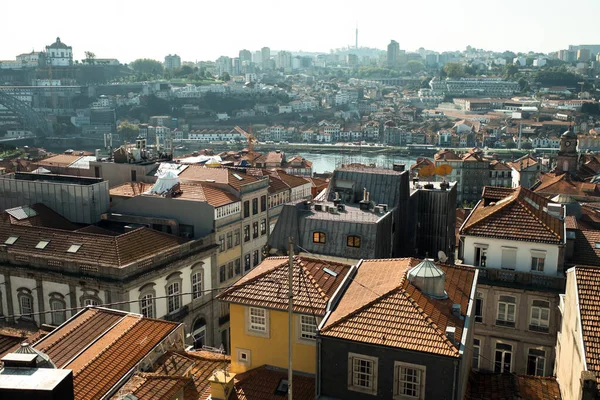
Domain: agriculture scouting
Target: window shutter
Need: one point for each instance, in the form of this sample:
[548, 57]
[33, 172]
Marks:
[509, 258]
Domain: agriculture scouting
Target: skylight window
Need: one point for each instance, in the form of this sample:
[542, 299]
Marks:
[533, 203]
[597, 245]
[42, 244]
[74, 248]
[11, 240]
[239, 178]
[282, 387]
[330, 272]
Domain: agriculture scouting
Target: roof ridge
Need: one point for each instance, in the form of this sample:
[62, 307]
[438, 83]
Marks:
[538, 218]
[237, 286]
[105, 349]
[428, 319]
[515, 195]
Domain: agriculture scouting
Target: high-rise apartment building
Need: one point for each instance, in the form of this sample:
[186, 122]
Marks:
[245, 55]
[393, 50]
[172, 61]
[265, 55]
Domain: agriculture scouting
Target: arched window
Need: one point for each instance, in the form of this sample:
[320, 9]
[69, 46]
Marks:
[174, 297]
[197, 283]
[59, 316]
[319, 237]
[25, 303]
[353, 241]
[90, 301]
[147, 305]
[199, 333]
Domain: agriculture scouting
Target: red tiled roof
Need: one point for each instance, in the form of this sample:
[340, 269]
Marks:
[291, 180]
[524, 162]
[261, 383]
[101, 346]
[146, 386]
[96, 249]
[315, 288]
[218, 175]
[496, 193]
[587, 248]
[446, 155]
[488, 386]
[382, 307]
[588, 281]
[61, 160]
[11, 338]
[520, 216]
[552, 184]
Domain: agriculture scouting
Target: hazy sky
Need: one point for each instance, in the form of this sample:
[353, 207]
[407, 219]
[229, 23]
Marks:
[205, 30]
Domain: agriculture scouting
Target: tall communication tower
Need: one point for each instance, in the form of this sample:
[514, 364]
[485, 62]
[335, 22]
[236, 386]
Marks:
[356, 42]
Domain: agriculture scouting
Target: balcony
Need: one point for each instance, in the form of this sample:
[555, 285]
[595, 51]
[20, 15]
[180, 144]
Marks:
[504, 277]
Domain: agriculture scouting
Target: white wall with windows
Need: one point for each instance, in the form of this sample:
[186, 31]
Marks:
[515, 255]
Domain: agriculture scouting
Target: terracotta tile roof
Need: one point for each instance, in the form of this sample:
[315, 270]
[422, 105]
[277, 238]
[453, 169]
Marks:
[290, 180]
[421, 162]
[588, 281]
[499, 166]
[552, 184]
[109, 250]
[61, 160]
[130, 189]
[101, 346]
[276, 185]
[218, 175]
[519, 216]
[446, 155]
[524, 162]
[147, 386]
[488, 386]
[260, 384]
[258, 288]
[381, 307]
[11, 338]
[496, 193]
[587, 248]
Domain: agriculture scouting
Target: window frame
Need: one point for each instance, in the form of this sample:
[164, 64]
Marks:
[246, 209]
[197, 291]
[479, 298]
[229, 240]
[147, 304]
[255, 230]
[174, 298]
[246, 233]
[538, 326]
[506, 322]
[251, 327]
[237, 238]
[537, 358]
[321, 237]
[503, 354]
[536, 264]
[422, 373]
[221, 243]
[351, 241]
[263, 203]
[255, 206]
[247, 262]
[373, 375]
[304, 336]
[478, 347]
[56, 298]
[263, 226]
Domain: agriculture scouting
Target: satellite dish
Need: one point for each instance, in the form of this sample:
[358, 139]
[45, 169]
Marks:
[442, 256]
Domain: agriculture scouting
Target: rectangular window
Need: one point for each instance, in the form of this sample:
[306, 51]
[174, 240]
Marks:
[174, 299]
[221, 243]
[536, 362]
[308, 327]
[353, 241]
[258, 320]
[133, 175]
[319, 237]
[58, 312]
[503, 358]
[540, 316]
[509, 258]
[362, 373]
[537, 264]
[479, 308]
[236, 237]
[238, 266]
[409, 381]
[255, 259]
[229, 240]
[507, 309]
[476, 352]
[247, 265]
[147, 306]
[230, 270]
[222, 274]
[246, 209]
[254, 230]
[246, 233]
[480, 256]
[263, 203]
[254, 206]
[263, 227]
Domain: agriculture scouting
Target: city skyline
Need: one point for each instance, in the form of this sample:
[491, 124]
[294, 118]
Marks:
[127, 31]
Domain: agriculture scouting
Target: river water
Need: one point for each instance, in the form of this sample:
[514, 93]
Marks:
[323, 162]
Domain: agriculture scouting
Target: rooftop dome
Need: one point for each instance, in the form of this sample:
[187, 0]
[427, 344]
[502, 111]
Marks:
[42, 360]
[428, 278]
[165, 181]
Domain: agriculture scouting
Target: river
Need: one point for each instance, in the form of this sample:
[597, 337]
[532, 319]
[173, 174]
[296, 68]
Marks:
[329, 161]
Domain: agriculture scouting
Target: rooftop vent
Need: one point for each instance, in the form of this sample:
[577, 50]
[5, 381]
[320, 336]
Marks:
[165, 182]
[318, 207]
[41, 360]
[429, 279]
[383, 206]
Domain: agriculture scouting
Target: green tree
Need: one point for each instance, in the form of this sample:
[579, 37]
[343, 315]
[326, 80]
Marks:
[425, 82]
[524, 85]
[128, 131]
[510, 70]
[415, 66]
[225, 77]
[590, 108]
[90, 58]
[454, 70]
[526, 146]
[147, 66]
[511, 145]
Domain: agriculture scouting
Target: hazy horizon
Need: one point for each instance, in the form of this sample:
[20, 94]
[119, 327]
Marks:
[196, 31]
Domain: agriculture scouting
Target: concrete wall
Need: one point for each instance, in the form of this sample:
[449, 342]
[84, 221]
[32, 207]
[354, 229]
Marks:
[77, 203]
[119, 173]
[196, 213]
[570, 354]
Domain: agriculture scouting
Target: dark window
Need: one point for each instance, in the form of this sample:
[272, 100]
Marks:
[255, 230]
[503, 358]
[353, 241]
[246, 209]
[254, 206]
[263, 203]
[133, 175]
[536, 360]
[222, 277]
[238, 267]
[247, 263]
[221, 243]
[97, 172]
[237, 237]
[229, 240]
[255, 258]
[230, 270]
[246, 233]
[318, 237]
[479, 308]
[263, 226]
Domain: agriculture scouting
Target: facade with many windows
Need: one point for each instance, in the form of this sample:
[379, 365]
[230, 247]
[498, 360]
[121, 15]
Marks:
[518, 241]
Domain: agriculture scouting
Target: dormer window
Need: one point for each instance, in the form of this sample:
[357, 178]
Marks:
[42, 244]
[11, 240]
[597, 245]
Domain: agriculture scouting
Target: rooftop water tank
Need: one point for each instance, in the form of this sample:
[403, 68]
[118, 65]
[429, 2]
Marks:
[429, 279]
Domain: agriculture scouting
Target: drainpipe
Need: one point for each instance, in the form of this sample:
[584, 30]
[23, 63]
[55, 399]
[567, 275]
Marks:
[318, 378]
[454, 380]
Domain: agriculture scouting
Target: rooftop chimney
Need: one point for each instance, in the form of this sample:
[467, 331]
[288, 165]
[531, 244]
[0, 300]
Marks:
[221, 384]
[364, 203]
[456, 310]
